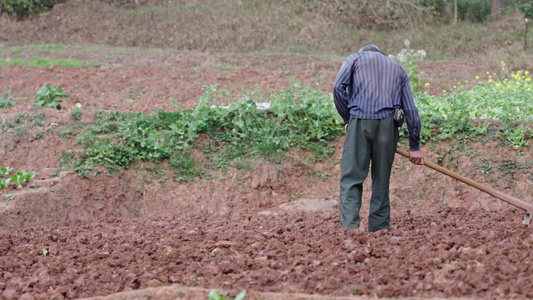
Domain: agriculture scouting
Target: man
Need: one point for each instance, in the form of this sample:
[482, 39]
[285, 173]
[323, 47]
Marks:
[368, 89]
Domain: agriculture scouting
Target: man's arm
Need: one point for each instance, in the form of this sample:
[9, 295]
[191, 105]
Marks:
[412, 117]
[341, 88]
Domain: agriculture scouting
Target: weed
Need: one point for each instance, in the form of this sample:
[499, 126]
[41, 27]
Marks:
[65, 134]
[5, 99]
[49, 97]
[408, 58]
[76, 114]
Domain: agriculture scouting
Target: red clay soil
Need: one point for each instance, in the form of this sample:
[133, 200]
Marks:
[88, 237]
[484, 255]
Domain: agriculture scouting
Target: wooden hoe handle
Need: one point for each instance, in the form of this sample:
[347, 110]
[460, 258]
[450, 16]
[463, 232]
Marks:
[528, 207]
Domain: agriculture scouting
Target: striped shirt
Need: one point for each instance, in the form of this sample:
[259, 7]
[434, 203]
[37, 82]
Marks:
[371, 85]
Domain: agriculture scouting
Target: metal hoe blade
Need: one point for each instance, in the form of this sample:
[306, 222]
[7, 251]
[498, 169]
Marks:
[527, 218]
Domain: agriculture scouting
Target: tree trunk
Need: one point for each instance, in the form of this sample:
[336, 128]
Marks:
[495, 7]
[455, 13]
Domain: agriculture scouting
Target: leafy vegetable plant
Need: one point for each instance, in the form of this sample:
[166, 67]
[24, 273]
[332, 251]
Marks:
[5, 171]
[22, 177]
[18, 178]
[49, 97]
[4, 182]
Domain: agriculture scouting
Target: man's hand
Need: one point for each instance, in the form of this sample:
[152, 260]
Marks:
[345, 127]
[416, 157]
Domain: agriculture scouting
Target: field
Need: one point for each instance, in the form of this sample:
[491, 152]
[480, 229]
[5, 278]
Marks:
[229, 217]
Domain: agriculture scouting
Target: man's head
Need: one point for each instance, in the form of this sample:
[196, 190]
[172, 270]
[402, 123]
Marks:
[370, 48]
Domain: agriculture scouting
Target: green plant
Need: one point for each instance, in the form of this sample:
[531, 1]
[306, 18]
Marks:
[23, 8]
[44, 62]
[262, 127]
[22, 177]
[5, 99]
[4, 183]
[408, 58]
[475, 11]
[5, 171]
[77, 112]
[499, 108]
[49, 97]
[213, 295]
[18, 178]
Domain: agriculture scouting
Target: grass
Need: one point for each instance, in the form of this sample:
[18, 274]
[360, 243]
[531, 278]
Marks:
[44, 62]
[51, 48]
[297, 27]
[32, 55]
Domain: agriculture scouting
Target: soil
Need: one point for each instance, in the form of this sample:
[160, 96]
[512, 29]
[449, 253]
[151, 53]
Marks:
[273, 231]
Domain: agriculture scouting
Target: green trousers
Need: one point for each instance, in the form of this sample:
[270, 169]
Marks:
[367, 141]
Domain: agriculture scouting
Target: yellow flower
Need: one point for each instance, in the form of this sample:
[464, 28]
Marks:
[427, 84]
[498, 85]
[528, 79]
[503, 69]
[444, 91]
[490, 76]
[466, 81]
[454, 87]
[305, 119]
[477, 77]
[529, 89]
[501, 92]
[488, 73]
[526, 73]
[517, 83]
[503, 63]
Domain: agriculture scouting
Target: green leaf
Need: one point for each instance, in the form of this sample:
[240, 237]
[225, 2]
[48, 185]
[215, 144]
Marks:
[213, 295]
[241, 295]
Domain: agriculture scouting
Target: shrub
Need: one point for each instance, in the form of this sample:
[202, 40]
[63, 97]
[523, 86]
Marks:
[24, 8]
[475, 11]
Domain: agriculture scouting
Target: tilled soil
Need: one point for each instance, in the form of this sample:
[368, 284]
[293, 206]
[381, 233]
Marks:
[454, 252]
[76, 238]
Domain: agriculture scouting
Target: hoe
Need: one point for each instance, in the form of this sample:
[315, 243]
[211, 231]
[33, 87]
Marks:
[528, 207]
